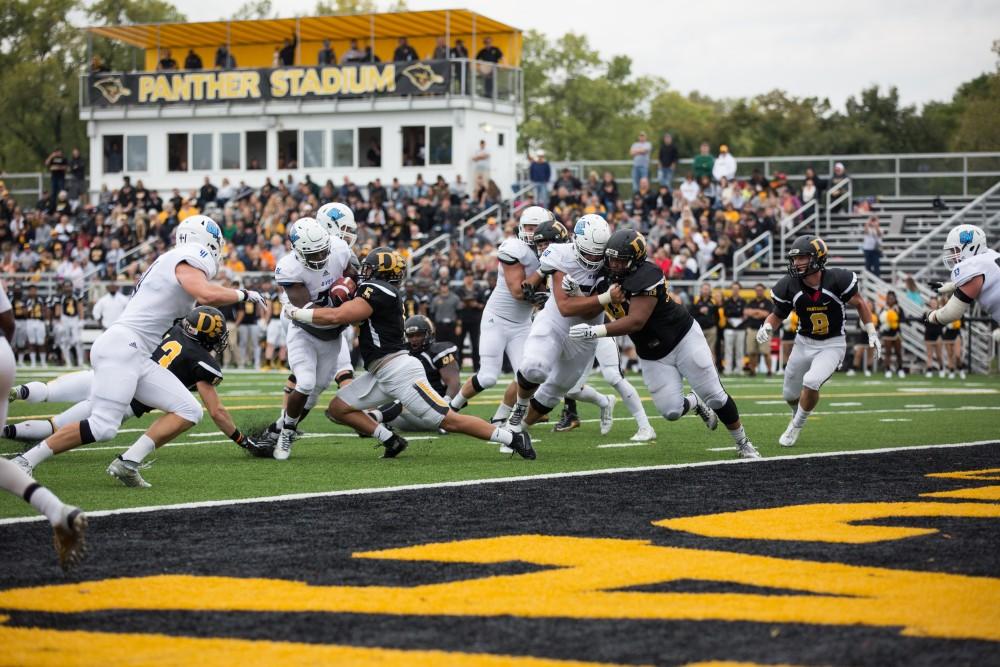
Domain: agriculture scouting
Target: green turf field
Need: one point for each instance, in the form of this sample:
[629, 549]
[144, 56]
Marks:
[855, 413]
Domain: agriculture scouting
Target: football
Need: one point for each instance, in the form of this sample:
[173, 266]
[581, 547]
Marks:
[342, 290]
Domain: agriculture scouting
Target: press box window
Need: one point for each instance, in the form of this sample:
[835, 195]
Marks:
[201, 152]
[414, 148]
[256, 150]
[343, 148]
[177, 152]
[440, 143]
[229, 146]
[114, 153]
[370, 146]
[288, 149]
[313, 149]
[135, 155]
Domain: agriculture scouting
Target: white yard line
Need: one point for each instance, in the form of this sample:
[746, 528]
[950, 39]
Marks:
[612, 445]
[497, 480]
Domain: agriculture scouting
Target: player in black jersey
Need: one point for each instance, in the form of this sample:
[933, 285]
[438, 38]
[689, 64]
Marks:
[392, 374]
[819, 296]
[669, 344]
[36, 313]
[67, 318]
[440, 366]
[190, 350]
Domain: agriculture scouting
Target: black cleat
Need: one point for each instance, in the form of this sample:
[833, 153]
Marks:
[394, 446]
[567, 421]
[522, 445]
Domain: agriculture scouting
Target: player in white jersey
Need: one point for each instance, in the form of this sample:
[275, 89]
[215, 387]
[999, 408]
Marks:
[306, 275]
[123, 369]
[975, 276]
[552, 362]
[68, 523]
[506, 319]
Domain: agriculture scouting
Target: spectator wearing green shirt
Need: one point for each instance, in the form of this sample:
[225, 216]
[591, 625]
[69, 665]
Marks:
[703, 163]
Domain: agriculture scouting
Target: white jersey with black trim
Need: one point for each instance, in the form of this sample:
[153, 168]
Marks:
[159, 299]
[501, 301]
[987, 265]
[290, 271]
[562, 257]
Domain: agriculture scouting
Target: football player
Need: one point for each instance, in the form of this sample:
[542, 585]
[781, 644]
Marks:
[392, 373]
[275, 354]
[975, 276]
[553, 363]
[507, 317]
[440, 367]
[36, 313]
[670, 345]
[339, 221]
[191, 350]
[306, 274]
[68, 523]
[68, 329]
[121, 356]
[820, 297]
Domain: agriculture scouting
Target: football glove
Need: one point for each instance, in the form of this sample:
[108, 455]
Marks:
[943, 289]
[587, 332]
[874, 341]
[764, 333]
[539, 298]
[571, 287]
[253, 297]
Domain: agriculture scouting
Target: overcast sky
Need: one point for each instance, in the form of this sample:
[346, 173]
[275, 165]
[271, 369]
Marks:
[735, 49]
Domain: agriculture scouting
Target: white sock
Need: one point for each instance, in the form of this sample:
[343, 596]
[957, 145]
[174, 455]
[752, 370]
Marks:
[142, 448]
[38, 392]
[522, 402]
[590, 395]
[16, 481]
[33, 429]
[382, 433]
[289, 422]
[738, 434]
[799, 420]
[458, 402]
[65, 355]
[502, 436]
[503, 411]
[632, 401]
[38, 454]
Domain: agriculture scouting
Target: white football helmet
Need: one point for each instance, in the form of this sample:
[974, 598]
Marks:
[531, 217]
[339, 221]
[203, 231]
[962, 243]
[590, 237]
[310, 243]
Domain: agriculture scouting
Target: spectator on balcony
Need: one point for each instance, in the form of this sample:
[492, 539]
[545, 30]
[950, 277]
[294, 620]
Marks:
[224, 59]
[353, 54]
[97, 65]
[459, 50]
[326, 56]
[404, 52]
[818, 182]
[668, 160]
[809, 191]
[287, 54]
[192, 60]
[871, 245]
[639, 152]
[839, 179]
[488, 56]
[440, 49]
[370, 56]
[725, 165]
[703, 163]
[540, 174]
[167, 62]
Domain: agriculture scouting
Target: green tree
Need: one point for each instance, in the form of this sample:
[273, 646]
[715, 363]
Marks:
[336, 7]
[115, 54]
[977, 112]
[255, 9]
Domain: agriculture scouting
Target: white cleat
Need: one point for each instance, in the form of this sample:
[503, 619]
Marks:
[283, 448]
[929, 374]
[747, 450]
[942, 373]
[868, 374]
[515, 422]
[901, 374]
[127, 472]
[607, 414]
[504, 449]
[888, 375]
[961, 375]
[644, 434]
[69, 536]
[789, 437]
[24, 465]
[850, 373]
[706, 413]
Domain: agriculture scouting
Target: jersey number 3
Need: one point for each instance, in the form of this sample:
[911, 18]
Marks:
[170, 351]
[820, 324]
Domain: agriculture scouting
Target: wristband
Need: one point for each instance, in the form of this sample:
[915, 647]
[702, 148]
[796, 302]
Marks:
[604, 298]
[304, 315]
[600, 331]
[870, 329]
[236, 436]
[243, 295]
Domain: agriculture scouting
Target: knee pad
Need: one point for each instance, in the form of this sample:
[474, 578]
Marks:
[484, 379]
[727, 412]
[305, 383]
[540, 407]
[672, 409]
[342, 377]
[98, 428]
[811, 381]
[530, 378]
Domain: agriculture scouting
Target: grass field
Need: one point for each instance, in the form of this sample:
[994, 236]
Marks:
[855, 413]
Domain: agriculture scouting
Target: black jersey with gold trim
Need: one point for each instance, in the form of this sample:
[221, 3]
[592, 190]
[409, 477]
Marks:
[667, 324]
[382, 333]
[822, 312]
[69, 305]
[186, 359]
[438, 355]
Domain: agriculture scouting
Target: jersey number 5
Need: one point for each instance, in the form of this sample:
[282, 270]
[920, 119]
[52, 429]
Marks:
[170, 351]
[820, 324]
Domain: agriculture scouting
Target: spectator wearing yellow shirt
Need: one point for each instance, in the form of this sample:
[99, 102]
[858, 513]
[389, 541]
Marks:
[233, 262]
[188, 208]
[891, 318]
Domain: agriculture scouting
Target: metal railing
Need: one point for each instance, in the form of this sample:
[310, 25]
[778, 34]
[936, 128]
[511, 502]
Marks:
[837, 195]
[807, 214]
[714, 273]
[896, 175]
[754, 250]
[927, 250]
[26, 188]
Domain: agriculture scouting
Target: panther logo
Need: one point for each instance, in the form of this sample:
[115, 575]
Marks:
[422, 76]
[112, 89]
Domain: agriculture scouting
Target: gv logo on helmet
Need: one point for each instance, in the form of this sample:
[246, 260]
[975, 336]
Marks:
[965, 236]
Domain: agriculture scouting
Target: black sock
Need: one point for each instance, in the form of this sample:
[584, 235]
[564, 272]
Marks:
[570, 406]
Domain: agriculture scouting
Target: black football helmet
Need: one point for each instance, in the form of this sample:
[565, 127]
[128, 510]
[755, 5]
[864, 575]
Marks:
[625, 252]
[809, 246]
[550, 231]
[207, 327]
[383, 263]
[419, 332]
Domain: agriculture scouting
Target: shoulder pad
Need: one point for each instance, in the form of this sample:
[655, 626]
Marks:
[198, 257]
[512, 251]
[782, 289]
[376, 289]
[643, 279]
